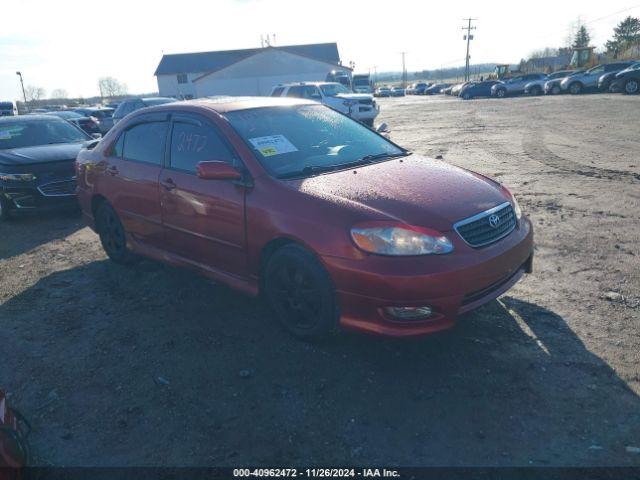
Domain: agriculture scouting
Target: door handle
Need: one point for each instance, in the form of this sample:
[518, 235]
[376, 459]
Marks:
[168, 184]
[112, 170]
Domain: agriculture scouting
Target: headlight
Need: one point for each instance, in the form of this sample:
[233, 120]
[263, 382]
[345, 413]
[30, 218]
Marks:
[397, 239]
[516, 207]
[17, 177]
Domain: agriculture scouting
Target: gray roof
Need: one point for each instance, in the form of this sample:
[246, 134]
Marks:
[212, 61]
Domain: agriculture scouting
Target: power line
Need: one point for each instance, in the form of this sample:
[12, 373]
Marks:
[468, 37]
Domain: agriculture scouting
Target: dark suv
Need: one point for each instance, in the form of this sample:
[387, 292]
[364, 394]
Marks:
[133, 104]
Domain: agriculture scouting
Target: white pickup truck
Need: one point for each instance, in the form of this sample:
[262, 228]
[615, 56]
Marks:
[359, 106]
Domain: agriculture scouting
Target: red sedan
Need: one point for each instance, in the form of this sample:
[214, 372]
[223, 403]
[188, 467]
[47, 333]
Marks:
[334, 224]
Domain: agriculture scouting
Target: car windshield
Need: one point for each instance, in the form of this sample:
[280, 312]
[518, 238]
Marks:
[38, 132]
[332, 89]
[157, 101]
[304, 140]
[66, 115]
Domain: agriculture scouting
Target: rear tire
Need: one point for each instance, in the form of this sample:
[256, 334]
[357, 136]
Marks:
[301, 293]
[631, 86]
[112, 235]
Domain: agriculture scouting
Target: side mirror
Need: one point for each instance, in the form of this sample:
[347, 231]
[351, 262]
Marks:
[216, 170]
[382, 128]
[97, 136]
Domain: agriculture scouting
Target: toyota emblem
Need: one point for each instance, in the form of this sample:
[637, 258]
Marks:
[494, 220]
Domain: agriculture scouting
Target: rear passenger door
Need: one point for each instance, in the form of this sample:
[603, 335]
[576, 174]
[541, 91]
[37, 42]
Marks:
[203, 219]
[130, 178]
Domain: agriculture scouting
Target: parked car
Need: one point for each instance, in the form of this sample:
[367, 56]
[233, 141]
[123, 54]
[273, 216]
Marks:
[435, 88]
[37, 155]
[397, 92]
[605, 80]
[420, 88]
[477, 89]
[8, 109]
[359, 106]
[132, 104]
[515, 85]
[102, 116]
[455, 91]
[628, 80]
[576, 84]
[382, 92]
[536, 87]
[447, 90]
[552, 87]
[88, 124]
[260, 194]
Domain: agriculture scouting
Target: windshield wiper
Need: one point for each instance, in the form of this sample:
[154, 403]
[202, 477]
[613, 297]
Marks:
[317, 169]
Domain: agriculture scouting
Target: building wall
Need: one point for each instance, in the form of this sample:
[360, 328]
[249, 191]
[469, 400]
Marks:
[258, 74]
[168, 85]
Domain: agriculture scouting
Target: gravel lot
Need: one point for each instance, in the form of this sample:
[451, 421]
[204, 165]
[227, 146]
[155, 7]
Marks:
[155, 366]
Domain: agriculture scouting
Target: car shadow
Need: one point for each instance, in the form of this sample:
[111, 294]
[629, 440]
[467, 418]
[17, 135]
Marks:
[151, 365]
[22, 234]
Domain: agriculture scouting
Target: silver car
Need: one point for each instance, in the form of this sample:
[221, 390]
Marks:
[537, 86]
[515, 85]
[588, 80]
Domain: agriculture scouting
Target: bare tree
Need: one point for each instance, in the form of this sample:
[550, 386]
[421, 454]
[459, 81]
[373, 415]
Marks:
[111, 87]
[59, 93]
[34, 93]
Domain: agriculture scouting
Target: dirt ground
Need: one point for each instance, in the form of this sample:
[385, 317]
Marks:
[151, 365]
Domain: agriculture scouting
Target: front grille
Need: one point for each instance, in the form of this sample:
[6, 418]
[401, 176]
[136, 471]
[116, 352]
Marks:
[479, 294]
[487, 227]
[54, 189]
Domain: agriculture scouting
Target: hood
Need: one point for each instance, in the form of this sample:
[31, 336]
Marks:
[417, 190]
[40, 154]
[355, 96]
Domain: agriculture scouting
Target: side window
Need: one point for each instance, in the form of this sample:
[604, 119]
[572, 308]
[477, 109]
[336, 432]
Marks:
[312, 92]
[116, 151]
[191, 144]
[295, 92]
[182, 78]
[145, 142]
[277, 91]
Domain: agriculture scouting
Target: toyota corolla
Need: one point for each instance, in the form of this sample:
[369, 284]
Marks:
[335, 225]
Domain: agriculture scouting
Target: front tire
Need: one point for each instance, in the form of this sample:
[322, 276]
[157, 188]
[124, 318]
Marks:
[535, 91]
[575, 88]
[501, 93]
[631, 86]
[556, 90]
[112, 235]
[368, 123]
[466, 96]
[301, 293]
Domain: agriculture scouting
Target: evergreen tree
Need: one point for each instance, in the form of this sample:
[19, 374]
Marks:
[627, 33]
[581, 38]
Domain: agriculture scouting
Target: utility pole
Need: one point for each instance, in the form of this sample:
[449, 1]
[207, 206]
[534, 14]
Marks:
[404, 71]
[468, 37]
[24, 95]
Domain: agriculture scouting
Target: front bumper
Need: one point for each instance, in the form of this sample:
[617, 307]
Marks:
[449, 284]
[39, 198]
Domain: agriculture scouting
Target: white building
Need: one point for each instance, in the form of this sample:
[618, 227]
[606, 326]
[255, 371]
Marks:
[245, 72]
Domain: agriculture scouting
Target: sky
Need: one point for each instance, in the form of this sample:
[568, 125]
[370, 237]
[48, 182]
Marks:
[69, 44]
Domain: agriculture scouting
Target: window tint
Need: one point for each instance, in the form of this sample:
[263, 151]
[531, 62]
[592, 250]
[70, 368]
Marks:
[191, 144]
[277, 91]
[295, 92]
[145, 142]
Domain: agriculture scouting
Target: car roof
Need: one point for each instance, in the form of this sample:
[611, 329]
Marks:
[223, 104]
[31, 118]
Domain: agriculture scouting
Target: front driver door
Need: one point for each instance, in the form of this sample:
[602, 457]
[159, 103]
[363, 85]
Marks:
[203, 219]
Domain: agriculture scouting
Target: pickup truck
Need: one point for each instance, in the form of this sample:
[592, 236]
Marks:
[359, 106]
